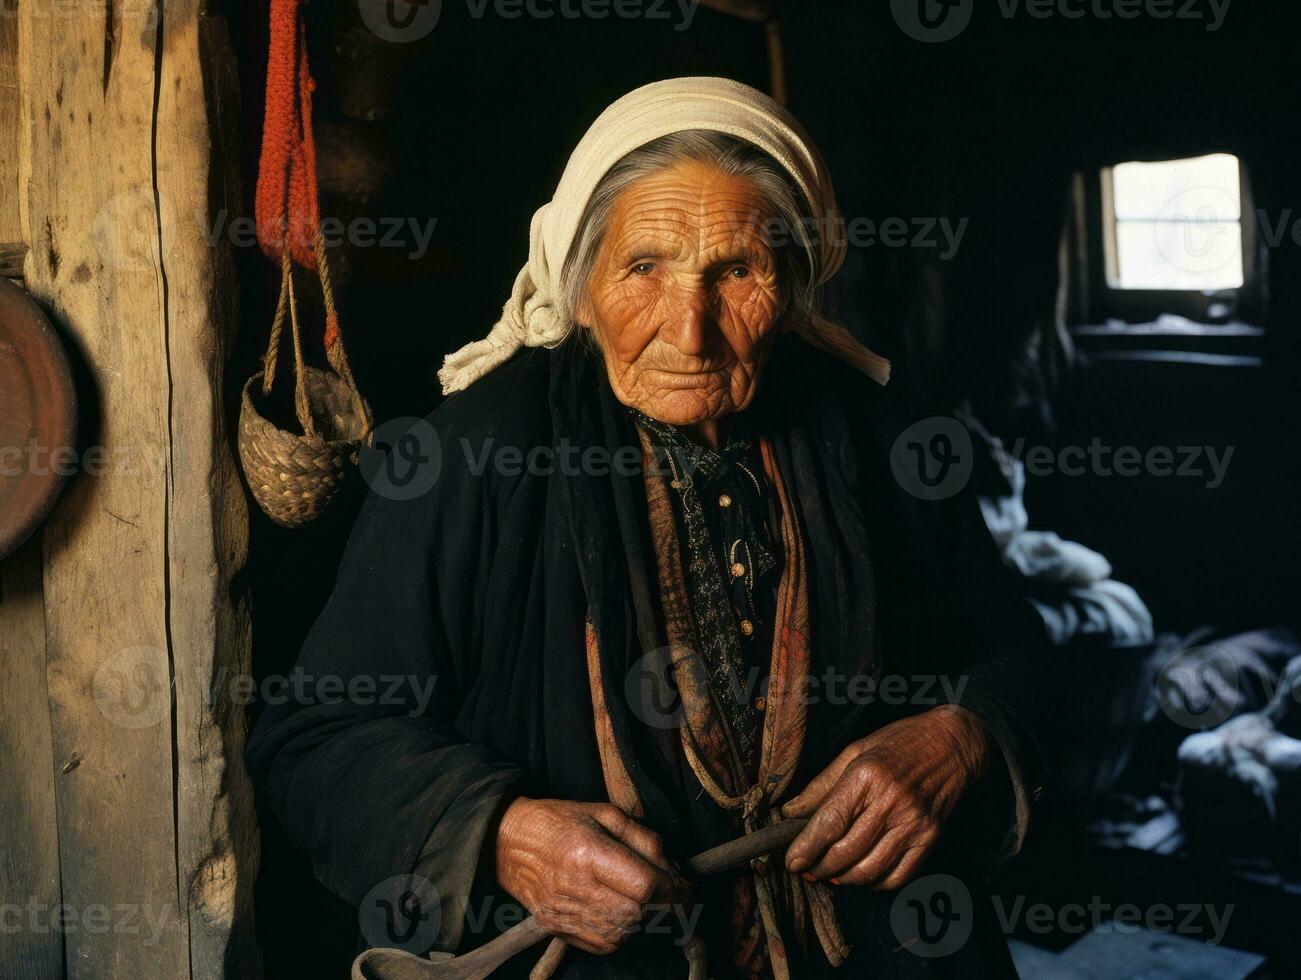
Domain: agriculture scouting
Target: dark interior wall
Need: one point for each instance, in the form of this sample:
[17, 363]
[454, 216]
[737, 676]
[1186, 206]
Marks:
[985, 128]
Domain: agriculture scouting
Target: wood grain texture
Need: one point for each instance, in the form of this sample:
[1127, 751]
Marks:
[29, 843]
[208, 518]
[143, 633]
[95, 264]
[12, 254]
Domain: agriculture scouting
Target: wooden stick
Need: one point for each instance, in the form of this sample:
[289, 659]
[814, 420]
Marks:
[394, 964]
[743, 850]
[550, 961]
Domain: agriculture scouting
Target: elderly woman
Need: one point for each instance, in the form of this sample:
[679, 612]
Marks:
[664, 590]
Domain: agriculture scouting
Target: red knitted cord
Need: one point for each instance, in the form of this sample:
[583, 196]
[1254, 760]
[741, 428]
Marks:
[286, 201]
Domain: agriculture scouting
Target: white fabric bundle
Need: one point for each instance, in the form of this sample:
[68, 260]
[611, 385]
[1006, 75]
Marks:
[535, 315]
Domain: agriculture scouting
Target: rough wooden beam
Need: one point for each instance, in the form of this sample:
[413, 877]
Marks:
[96, 265]
[119, 168]
[198, 167]
[29, 842]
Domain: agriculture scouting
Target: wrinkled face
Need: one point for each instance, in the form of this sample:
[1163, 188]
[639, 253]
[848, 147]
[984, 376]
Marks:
[683, 296]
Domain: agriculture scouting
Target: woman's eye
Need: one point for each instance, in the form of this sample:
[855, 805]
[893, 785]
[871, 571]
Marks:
[644, 268]
[738, 272]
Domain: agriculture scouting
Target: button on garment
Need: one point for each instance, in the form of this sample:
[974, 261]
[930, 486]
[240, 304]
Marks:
[724, 510]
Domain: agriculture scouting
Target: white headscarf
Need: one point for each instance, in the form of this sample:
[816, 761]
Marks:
[535, 314]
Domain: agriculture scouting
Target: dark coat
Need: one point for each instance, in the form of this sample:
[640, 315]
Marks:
[482, 586]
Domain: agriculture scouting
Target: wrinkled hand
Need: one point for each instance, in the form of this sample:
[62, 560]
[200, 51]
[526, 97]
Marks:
[587, 871]
[877, 810]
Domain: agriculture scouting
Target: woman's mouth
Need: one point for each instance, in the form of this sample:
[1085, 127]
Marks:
[685, 379]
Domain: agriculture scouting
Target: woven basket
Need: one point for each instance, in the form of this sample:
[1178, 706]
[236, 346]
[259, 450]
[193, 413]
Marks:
[294, 476]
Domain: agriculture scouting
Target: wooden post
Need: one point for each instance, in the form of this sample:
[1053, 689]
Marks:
[127, 119]
[29, 843]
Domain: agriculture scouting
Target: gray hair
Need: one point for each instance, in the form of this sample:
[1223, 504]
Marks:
[788, 217]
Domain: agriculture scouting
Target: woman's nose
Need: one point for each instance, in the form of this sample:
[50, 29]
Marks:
[689, 325]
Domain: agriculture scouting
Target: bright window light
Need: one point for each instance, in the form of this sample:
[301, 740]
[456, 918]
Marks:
[1175, 224]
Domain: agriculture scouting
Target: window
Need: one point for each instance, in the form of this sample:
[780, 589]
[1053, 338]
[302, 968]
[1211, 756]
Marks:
[1152, 240]
[1174, 225]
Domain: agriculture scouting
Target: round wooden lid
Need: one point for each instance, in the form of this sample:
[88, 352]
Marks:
[38, 416]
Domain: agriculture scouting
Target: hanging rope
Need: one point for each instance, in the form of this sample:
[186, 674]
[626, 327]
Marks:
[287, 201]
[286, 184]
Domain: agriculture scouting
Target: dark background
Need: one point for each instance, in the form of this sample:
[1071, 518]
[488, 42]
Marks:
[480, 117]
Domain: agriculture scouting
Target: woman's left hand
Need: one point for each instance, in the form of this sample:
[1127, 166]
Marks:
[877, 810]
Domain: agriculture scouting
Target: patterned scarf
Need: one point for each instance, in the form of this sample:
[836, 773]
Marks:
[690, 468]
[712, 732]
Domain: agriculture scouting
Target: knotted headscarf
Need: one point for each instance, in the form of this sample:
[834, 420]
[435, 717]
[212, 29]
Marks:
[535, 315]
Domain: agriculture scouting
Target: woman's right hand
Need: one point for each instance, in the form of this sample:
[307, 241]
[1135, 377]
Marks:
[586, 871]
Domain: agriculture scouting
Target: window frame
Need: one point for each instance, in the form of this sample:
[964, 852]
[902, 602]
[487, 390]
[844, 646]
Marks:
[1212, 306]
